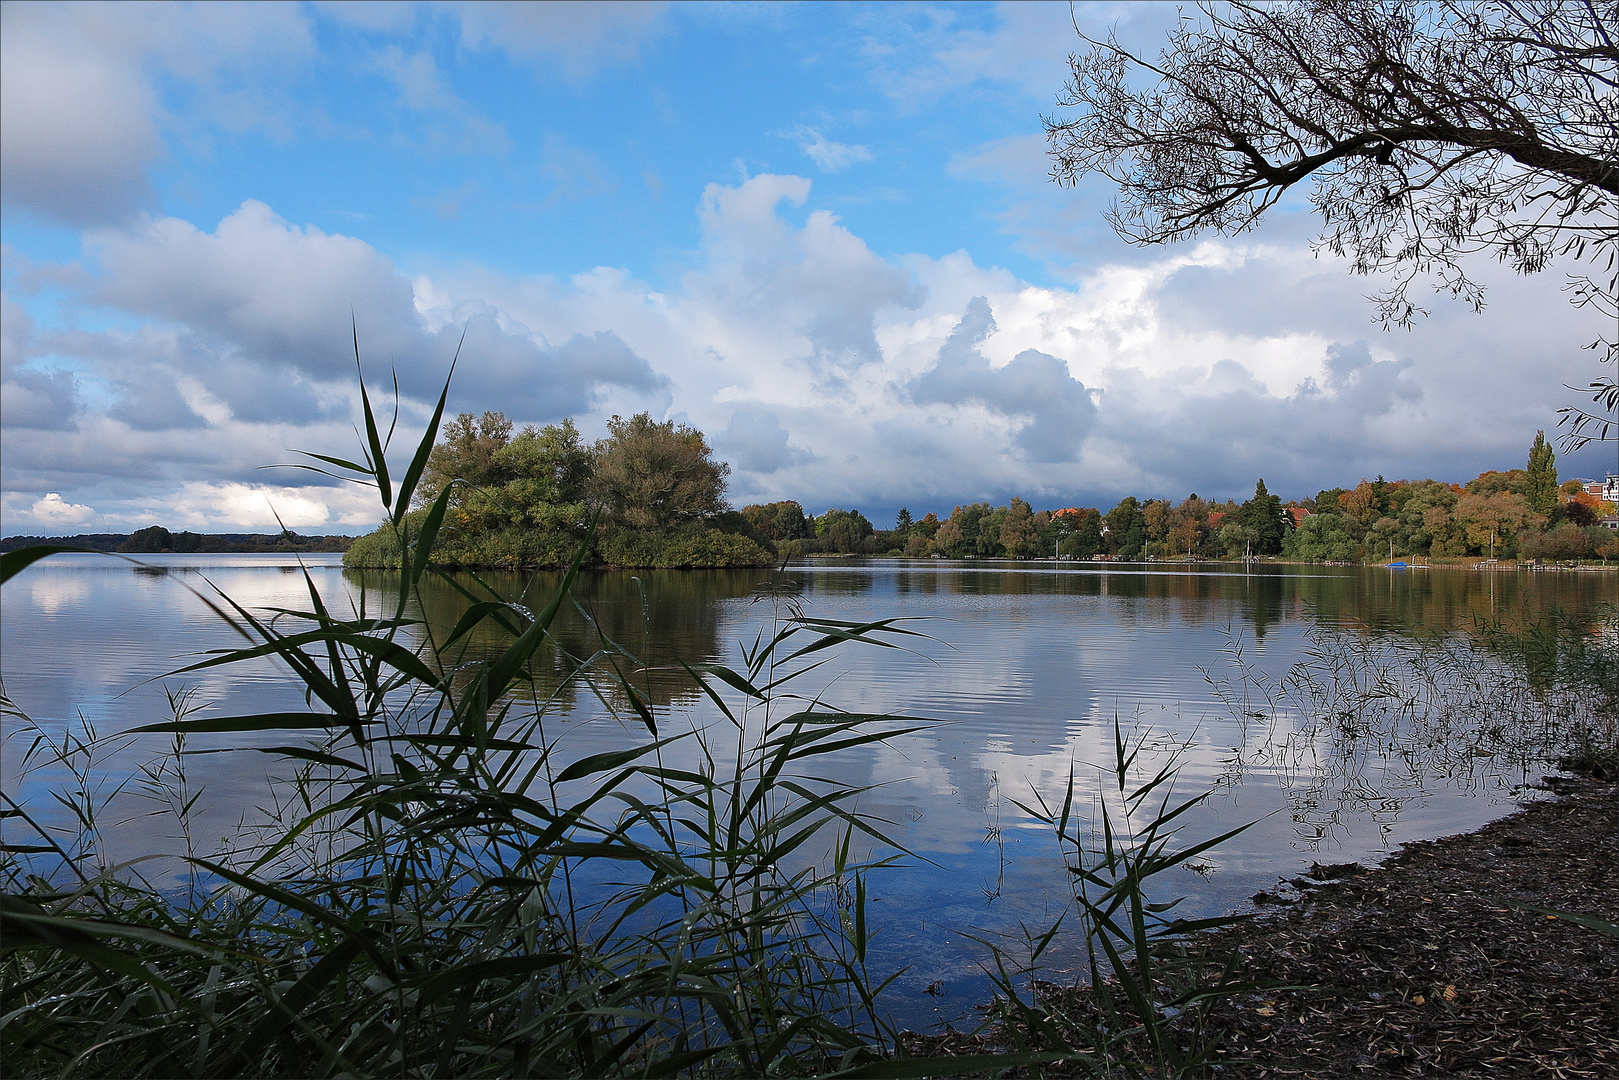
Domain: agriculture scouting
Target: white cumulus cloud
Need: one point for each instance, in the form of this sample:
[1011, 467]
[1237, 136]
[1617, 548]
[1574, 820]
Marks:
[54, 510]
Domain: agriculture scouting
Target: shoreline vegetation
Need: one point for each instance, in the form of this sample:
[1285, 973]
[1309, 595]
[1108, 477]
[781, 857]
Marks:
[521, 501]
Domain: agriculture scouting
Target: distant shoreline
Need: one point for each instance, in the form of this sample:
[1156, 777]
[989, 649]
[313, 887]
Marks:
[189, 543]
[274, 543]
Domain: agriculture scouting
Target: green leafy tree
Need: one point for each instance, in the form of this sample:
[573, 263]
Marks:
[1427, 525]
[1237, 539]
[780, 521]
[150, 540]
[989, 534]
[1322, 538]
[1082, 531]
[651, 475]
[466, 451]
[1127, 529]
[1045, 533]
[1540, 480]
[1330, 501]
[846, 531]
[545, 473]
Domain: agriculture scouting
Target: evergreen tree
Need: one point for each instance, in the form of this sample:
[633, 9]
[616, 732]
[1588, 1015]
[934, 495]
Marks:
[1266, 521]
[1541, 486]
[903, 524]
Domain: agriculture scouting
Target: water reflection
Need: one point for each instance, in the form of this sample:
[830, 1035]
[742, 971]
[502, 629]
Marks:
[1026, 668]
[659, 616]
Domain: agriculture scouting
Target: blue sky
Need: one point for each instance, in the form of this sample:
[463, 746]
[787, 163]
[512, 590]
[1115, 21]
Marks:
[823, 233]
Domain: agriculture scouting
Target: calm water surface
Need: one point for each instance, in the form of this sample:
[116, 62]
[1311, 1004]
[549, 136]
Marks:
[1025, 668]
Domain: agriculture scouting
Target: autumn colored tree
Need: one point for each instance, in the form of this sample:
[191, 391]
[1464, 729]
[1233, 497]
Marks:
[1188, 526]
[651, 475]
[1491, 523]
[1019, 534]
[1490, 483]
[958, 537]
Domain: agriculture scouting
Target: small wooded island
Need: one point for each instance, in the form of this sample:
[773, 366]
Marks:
[525, 500]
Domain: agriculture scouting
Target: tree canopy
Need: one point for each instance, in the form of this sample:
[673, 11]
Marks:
[1427, 130]
[651, 475]
[525, 500]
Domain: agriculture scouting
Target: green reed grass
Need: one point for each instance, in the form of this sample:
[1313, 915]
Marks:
[1142, 1009]
[439, 890]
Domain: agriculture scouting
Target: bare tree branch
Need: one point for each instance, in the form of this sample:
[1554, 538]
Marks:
[1427, 131]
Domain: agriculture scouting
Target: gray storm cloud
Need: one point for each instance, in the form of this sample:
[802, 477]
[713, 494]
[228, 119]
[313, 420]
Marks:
[1034, 386]
[1217, 433]
[757, 443]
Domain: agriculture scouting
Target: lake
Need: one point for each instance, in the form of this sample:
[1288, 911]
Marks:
[1335, 707]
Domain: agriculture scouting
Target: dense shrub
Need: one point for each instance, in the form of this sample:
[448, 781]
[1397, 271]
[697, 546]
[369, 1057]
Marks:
[1566, 541]
[699, 544]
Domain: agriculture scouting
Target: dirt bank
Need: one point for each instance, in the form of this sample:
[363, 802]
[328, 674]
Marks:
[1427, 969]
[1423, 967]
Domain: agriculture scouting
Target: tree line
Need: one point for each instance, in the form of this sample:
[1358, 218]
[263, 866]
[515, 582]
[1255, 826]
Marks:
[155, 539]
[1515, 513]
[526, 498]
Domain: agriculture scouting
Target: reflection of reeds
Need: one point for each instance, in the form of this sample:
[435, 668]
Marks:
[441, 891]
[1142, 1008]
[1485, 706]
